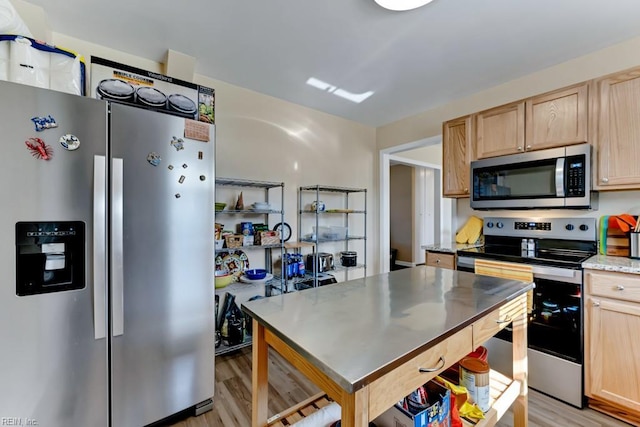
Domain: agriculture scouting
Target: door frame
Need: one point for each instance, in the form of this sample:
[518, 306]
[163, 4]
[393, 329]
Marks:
[441, 210]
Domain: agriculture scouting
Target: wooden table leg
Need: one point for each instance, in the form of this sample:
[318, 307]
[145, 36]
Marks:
[355, 408]
[520, 366]
[259, 378]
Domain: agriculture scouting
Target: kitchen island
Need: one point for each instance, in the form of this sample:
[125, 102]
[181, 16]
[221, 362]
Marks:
[369, 342]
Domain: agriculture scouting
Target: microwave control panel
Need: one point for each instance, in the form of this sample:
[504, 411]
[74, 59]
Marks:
[575, 176]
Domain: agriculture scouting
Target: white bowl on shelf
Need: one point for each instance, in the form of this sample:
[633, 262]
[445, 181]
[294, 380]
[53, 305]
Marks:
[261, 206]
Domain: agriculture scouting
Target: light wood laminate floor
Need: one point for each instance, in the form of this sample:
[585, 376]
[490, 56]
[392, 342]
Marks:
[232, 401]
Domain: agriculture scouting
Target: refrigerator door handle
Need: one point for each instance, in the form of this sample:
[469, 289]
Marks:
[99, 247]
[117, 252]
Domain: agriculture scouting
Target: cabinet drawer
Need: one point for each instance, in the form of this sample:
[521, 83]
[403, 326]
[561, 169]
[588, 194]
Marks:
[390, 388]
[438, 259]
[500, 318]
[613, 285]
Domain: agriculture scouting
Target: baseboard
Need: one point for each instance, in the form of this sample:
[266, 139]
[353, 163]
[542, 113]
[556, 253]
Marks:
[616, 411]
[405, 263]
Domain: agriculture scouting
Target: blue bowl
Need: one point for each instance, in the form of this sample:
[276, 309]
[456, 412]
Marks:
[256, 274]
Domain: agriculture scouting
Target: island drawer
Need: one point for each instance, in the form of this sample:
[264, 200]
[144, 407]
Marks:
[442, 260]
[621, 286]
[393, 386]
[497, 320]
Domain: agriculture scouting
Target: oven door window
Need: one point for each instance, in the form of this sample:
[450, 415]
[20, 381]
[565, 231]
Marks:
[555, 324]
[530, 180]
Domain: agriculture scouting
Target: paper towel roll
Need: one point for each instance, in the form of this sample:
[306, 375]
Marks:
[10, 21]
[4, 60]
[28, 65]
[323, 417]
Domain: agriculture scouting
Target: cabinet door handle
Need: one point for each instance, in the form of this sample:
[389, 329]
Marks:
[507, 319]
[528, 147]
[605, 180]
[596, 303]
[437, 261]
[466, 190]
[519, 148]
[441, 363]
[620, 288]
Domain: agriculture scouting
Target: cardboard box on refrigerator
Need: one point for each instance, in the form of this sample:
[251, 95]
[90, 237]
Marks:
[438, 414]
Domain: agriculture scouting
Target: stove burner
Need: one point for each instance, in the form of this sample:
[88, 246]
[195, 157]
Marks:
[552, 241]
[553, 257]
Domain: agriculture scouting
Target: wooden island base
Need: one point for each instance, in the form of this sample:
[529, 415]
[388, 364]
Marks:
[368, 402]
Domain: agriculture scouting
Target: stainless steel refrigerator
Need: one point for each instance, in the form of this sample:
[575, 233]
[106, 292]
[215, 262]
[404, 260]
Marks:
[106, 262]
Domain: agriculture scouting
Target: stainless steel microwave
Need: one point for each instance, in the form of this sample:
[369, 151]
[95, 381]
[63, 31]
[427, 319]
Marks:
[554, 178]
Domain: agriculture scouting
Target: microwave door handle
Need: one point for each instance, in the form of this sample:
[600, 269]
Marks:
[560, 177]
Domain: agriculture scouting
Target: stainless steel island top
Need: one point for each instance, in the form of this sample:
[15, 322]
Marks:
[359, 330]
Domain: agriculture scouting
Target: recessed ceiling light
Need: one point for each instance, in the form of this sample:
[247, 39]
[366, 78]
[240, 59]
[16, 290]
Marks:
[402, 4]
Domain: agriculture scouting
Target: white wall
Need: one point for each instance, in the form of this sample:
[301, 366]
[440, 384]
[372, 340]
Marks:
[264, 138]
[431, 154]
[429, 123]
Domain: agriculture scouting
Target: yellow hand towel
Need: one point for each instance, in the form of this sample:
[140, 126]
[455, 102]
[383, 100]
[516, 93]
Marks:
[470, 231]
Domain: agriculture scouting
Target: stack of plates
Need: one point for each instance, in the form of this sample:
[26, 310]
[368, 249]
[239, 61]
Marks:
[245, 279]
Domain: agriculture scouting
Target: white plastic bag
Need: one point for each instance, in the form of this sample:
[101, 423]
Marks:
[10, 21]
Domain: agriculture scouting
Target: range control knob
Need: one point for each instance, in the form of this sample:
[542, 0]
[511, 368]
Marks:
[489, 224]
[499, 225]
[569, 227]
[584, 227]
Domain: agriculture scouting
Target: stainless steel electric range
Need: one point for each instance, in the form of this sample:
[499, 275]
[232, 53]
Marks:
[555, 249]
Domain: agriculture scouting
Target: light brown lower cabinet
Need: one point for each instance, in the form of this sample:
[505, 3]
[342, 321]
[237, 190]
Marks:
[612, 344]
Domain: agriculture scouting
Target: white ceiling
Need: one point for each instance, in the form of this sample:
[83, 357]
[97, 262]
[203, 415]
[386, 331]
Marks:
[413, 60]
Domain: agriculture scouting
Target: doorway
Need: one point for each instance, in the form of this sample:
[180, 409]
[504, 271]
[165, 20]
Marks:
[429, 218]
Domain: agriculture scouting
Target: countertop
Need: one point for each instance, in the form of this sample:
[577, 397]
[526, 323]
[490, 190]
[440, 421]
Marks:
[450, 247]
[613, 263]
[357, 331]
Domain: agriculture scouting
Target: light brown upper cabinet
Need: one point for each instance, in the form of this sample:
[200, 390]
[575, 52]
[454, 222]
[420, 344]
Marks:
[457, 153]
[617, 130]
[500, 131]
[557, 118]
[553, 119]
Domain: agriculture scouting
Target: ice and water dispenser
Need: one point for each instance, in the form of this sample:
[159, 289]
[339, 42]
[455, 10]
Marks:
[50, 257]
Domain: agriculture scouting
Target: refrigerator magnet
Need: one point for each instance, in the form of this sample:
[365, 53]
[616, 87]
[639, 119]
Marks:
[170, 167]
[202, 177]
[39, 149]
[177, 143]
[178, 195]
[42, 123]
[154, 158]
[69, 142]
[200, 155]
[181, 180]
[184, 166]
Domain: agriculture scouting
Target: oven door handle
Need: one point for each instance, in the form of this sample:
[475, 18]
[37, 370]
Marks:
[551, 272]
